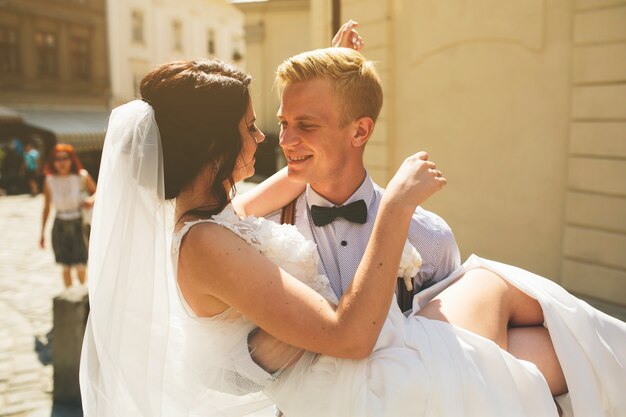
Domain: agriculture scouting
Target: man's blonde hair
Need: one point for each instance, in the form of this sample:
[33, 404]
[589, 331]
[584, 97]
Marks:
[353, 78]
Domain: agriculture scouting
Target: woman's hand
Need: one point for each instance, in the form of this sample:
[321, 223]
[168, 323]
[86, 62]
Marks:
[415, 181]
[89, 202]
[348, 37]
[42, 242]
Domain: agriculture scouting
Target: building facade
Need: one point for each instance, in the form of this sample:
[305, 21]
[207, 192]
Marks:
[54, 73]
[523, 106]
[53, 52]
[145, 33]
[274, 30]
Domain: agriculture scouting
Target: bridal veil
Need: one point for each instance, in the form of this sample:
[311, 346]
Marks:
[133, 360]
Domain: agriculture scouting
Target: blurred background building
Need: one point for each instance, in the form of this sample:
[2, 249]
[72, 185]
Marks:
[54, 74]
[64, 64]
[145, 33]
[522, 103]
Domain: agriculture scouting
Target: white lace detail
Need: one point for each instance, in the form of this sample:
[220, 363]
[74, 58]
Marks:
[246, 228]
[280, 243]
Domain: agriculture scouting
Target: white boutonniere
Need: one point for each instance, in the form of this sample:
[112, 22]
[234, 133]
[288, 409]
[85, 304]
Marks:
[409, 265]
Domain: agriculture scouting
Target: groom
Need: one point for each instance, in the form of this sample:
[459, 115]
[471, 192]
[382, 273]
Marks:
[330, 99]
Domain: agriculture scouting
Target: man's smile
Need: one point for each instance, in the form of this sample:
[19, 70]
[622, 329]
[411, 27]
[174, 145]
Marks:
[291, 158]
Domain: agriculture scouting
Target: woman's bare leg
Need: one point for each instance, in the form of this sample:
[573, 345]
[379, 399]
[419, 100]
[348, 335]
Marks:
[81, 271]
[488, 305]
[533, 344]
[67, 276]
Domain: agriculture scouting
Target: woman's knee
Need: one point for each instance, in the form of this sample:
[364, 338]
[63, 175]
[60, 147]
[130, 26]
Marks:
[476, 302]
[520, 309]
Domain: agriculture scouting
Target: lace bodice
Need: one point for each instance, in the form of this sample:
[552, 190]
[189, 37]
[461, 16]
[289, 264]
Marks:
[280, 243]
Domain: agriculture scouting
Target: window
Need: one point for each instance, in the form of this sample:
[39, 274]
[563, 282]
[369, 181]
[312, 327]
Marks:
[237, 55]
[210, 45]
[80, 56]
[9, 51]
[177, 34]
[47, 54]
[137, 26]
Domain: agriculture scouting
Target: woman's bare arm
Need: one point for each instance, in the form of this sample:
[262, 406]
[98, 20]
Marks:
[45, 214]
[272, 194]
[90, 187]
[215, 263]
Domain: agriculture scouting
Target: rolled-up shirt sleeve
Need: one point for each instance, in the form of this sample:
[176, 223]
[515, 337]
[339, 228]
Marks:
[246, 375]
[434, 240]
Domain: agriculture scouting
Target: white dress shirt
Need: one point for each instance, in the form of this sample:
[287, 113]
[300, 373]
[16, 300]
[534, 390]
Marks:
[341, 244]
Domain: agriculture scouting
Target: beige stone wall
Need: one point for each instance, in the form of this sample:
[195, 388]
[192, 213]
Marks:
[376, 27]
[523, 104]
[484, 87]
[594, 232]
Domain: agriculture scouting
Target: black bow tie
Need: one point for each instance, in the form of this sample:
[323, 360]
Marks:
[355, 212]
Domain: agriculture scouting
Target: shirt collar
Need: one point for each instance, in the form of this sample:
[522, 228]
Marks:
[365, 192]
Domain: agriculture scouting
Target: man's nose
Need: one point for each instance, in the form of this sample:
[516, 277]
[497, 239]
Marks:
[287, 138]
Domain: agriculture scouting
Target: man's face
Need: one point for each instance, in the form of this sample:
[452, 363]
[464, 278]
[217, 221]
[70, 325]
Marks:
[311, 136]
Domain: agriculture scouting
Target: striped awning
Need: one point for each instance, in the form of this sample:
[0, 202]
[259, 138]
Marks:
[82, 129]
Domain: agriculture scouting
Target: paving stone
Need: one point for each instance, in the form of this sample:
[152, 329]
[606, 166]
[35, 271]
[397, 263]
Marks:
[26, 362]
[25, 379]
[28, 396]
[29, 280]
[42, 409]
[14, 410]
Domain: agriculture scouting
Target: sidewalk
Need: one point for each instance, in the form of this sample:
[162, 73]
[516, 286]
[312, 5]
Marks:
[29, 279]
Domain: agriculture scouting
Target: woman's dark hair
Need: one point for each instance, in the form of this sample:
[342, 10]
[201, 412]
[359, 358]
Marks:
[198, 106]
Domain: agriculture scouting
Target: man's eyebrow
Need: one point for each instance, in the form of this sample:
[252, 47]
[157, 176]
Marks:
[300, 118]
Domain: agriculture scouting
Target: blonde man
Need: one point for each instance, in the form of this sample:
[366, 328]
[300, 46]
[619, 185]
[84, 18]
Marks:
[329, 102]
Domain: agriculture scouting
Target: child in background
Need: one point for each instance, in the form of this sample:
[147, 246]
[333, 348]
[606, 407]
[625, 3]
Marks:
[65, 186]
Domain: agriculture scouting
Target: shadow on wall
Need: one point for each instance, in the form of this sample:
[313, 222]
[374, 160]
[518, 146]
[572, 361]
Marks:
[43, 348]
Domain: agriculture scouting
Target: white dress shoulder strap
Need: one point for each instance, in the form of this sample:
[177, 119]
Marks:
[245, 229]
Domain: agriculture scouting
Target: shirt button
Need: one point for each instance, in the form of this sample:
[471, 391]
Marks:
[344, 243]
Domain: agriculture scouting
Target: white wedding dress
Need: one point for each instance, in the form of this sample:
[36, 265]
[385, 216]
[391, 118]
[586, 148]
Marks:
[419, 367]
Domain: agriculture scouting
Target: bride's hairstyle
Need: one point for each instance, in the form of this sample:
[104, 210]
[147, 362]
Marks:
[198, 106]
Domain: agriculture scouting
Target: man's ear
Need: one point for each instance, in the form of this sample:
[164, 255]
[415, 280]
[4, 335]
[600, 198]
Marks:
[363, 130]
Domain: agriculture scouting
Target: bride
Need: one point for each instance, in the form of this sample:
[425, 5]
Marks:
[185, 295]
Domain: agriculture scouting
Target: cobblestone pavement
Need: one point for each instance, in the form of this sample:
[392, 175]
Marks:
[29, 280]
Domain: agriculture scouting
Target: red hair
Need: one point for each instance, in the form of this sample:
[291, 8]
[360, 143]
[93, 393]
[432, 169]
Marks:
[50, 169]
